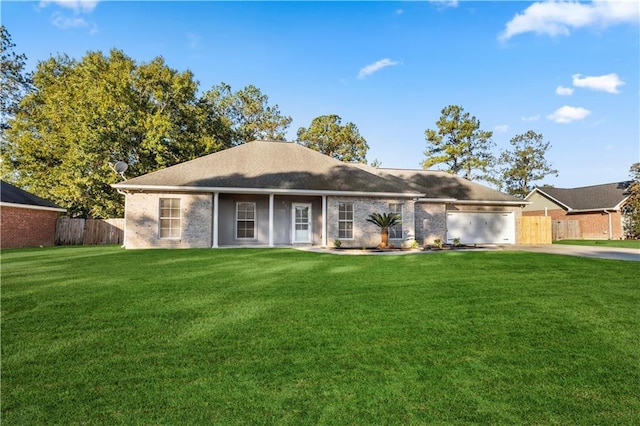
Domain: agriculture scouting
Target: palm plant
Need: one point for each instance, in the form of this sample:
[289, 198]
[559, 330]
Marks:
[384, 221]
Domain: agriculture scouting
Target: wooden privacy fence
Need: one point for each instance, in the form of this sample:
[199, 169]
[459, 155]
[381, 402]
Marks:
[76, 231]
[535, 230]
[566, 230]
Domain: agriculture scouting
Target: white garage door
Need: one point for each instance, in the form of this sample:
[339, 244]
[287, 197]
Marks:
[481, 227]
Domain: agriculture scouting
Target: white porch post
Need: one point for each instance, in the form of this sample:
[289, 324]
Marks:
[215, 220]
[324, 221]
[271, 198]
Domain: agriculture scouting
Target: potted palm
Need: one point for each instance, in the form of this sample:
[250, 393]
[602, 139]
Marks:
[384, 221]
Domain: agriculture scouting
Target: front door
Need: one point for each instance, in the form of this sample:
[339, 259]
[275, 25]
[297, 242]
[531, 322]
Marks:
[301, 223]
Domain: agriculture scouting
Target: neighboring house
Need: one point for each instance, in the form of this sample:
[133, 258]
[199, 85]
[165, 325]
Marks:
[281, 193]
[25, 219]
[597, 208]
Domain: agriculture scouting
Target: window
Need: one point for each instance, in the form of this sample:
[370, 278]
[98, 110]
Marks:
[245, 220]
[170, 218]
[395, 232]
[345, 220]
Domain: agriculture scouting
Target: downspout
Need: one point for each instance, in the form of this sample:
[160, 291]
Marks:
[610, 225]
[214, 225]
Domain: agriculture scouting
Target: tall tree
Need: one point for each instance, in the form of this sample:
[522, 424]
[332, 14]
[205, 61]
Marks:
[631, 209]
[459, 143]
[327, 135]
[245, 115]
[84, 115]
[15, 82]
[525, 163]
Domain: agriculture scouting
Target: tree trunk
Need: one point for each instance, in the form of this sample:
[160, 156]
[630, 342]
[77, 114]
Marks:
[384, 234]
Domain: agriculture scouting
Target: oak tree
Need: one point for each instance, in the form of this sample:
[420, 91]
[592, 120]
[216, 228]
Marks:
[327, 134]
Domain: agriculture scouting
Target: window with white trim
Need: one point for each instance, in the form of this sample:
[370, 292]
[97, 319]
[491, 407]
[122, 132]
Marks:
[345, 221]
[245, 220]
[395, 232]
[170, 218]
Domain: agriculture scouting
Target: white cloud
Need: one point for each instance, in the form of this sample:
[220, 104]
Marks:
[445, 3]
[555, 18]
[501, 128]
[78, 6]
[607, 83]
[65, 22]
[567, 114]
[399, 11]
[375, 67]
[531, 118]
[564, 91]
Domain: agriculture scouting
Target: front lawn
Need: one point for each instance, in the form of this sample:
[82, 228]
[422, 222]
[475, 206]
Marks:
[100, 335]
[602, 243]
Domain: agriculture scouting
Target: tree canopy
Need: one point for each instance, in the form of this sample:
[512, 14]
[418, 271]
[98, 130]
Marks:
[15, 82]
[327, 135]
[245, 114]
[524, 164]
[84, 115]
[459, 143]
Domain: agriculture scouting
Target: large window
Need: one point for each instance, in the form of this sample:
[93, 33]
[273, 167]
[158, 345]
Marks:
[245, 220]
[345, 221]
[395, 232]
[170, 218]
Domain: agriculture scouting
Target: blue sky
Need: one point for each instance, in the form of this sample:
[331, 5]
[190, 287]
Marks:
[568, 70]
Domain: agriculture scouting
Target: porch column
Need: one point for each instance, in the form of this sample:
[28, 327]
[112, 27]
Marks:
[324, 221]
[271, 198]
[214, 236]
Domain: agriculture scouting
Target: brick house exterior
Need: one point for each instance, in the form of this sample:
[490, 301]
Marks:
[283, 194]
[25, 219]
[598, 208]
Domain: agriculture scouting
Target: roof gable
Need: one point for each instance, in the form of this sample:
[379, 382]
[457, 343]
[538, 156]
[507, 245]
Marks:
[261, 165]
[608, 196]
[13, 195]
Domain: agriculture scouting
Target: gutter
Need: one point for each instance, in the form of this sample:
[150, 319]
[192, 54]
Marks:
[33, 207]
[472, 202]
[226, 190]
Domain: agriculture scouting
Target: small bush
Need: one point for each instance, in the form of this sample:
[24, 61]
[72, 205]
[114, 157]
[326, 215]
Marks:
[337, 243]
[438, 243]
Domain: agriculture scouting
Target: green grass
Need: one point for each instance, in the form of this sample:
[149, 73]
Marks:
[603, 243]
[101, 335]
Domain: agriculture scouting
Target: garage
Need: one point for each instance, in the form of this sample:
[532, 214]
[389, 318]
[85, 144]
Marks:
[481, 227]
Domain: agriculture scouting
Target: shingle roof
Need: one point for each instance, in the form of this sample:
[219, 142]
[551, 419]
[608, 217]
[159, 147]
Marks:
[264, 165]
[14, 195]
[269, 165]
[596, 197]
[437, 184]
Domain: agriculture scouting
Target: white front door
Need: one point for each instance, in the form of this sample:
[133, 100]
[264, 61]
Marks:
[301, 223]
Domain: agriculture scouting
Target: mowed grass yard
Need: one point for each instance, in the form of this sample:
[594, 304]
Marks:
[101, 335]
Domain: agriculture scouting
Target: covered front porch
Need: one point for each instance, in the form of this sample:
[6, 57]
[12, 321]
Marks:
[268, 220]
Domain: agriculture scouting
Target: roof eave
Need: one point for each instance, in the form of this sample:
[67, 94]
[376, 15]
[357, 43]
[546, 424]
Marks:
[277, 191]
[32, 207]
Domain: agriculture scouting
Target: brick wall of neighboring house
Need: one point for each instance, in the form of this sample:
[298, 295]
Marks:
[25, 227]
[593, 225]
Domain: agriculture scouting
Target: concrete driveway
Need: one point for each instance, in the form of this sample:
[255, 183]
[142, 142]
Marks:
[582, 251]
